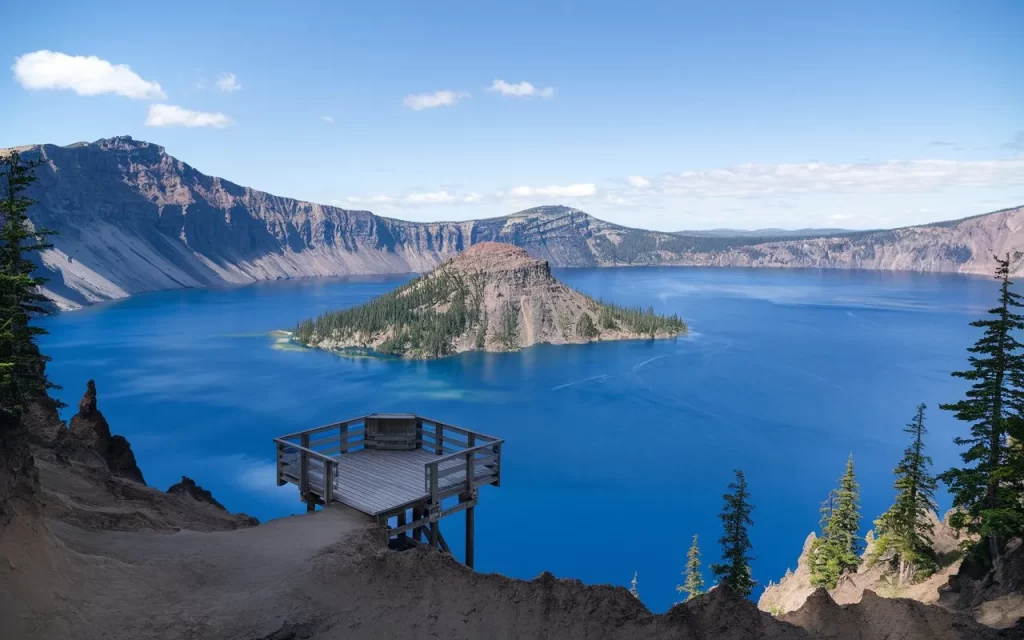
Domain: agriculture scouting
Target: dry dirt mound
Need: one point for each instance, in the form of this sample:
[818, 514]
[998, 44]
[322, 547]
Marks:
[888, 618]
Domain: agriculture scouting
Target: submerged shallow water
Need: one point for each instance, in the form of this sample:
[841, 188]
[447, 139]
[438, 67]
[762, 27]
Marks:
[616, 453]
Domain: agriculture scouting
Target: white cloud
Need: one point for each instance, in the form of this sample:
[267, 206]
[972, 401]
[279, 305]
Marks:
[328, 119]
[443, 98]
[520, 90]
[756, 180]
[639, 182]
[85, 75]
[419, 198]
[228, 83]
[169, 115]
[552, 191]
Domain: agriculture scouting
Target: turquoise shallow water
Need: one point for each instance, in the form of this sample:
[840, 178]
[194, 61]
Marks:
[616, 453]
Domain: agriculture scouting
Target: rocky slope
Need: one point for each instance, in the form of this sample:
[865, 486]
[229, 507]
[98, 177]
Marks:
[131, 219]
[994, 599]
[86, 553]
[491, 297]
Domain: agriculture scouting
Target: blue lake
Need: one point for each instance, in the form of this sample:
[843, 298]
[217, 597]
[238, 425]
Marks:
[616, 453]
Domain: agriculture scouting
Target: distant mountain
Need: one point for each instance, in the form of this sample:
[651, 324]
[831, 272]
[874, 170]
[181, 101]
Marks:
[131, 218]
[490, 297]
[764, 233]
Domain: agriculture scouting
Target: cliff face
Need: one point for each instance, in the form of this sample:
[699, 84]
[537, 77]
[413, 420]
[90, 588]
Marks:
[491, 297]
[131, 218]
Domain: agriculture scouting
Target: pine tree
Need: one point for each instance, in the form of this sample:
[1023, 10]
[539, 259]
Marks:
[22, 367]
[837, 550]
[987, 490]
[632, 586]
[734, 571]
[693, 586]
[904, 529]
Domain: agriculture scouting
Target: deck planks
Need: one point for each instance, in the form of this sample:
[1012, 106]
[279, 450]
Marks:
[377, 481]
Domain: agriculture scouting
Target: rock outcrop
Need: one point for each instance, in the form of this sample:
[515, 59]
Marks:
[131, 218]
[188, 487]
[992, 597]
[491, 297]
[90, 428]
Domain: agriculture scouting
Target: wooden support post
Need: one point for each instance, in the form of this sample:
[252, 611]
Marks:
[442, 543]
[401, 522]
[469, 537]
[433, 534]
[470, 495]
[310, 504]
[417, 532]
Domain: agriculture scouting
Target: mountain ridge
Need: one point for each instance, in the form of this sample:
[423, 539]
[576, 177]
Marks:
[131, 218]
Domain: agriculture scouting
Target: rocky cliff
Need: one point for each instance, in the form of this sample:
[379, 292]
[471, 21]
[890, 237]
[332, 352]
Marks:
[131, 219]
[491, 297]
[991, 597]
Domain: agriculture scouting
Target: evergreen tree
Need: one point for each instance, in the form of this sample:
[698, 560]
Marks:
[586, 328]
[904, 528]
[987, 489]
[632, 586]
[22, 373]
[693, 586]
[837, 550]
[734, 571]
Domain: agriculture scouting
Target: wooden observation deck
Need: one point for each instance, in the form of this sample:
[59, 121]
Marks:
[400, 466]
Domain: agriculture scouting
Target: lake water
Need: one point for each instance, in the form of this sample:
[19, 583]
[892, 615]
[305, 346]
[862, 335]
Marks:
[616, 453]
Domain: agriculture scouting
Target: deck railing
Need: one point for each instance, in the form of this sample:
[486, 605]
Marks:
[466, 459]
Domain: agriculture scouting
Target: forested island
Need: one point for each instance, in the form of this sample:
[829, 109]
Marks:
[492, 297]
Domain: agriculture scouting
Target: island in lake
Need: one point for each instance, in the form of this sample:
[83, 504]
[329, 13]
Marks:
[491, 297]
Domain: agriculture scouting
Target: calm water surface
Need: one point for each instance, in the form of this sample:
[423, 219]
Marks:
[616, 453]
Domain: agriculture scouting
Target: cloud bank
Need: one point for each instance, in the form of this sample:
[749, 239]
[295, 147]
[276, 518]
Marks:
[755, 180]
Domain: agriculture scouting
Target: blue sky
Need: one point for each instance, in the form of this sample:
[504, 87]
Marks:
[667, 115]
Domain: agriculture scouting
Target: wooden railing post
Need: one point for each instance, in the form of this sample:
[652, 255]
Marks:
[435, 505]
[343, 435]
[439, 437]
[497, 463]
[280, 464]
[304, 466]
[419, 432]
[329, 471]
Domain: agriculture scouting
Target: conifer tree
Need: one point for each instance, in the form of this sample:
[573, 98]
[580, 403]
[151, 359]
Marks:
[22, 374]
[693, 585]
[904, 529]
[837, 550]
[987, 489]
[632, 586]
[734, 571]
